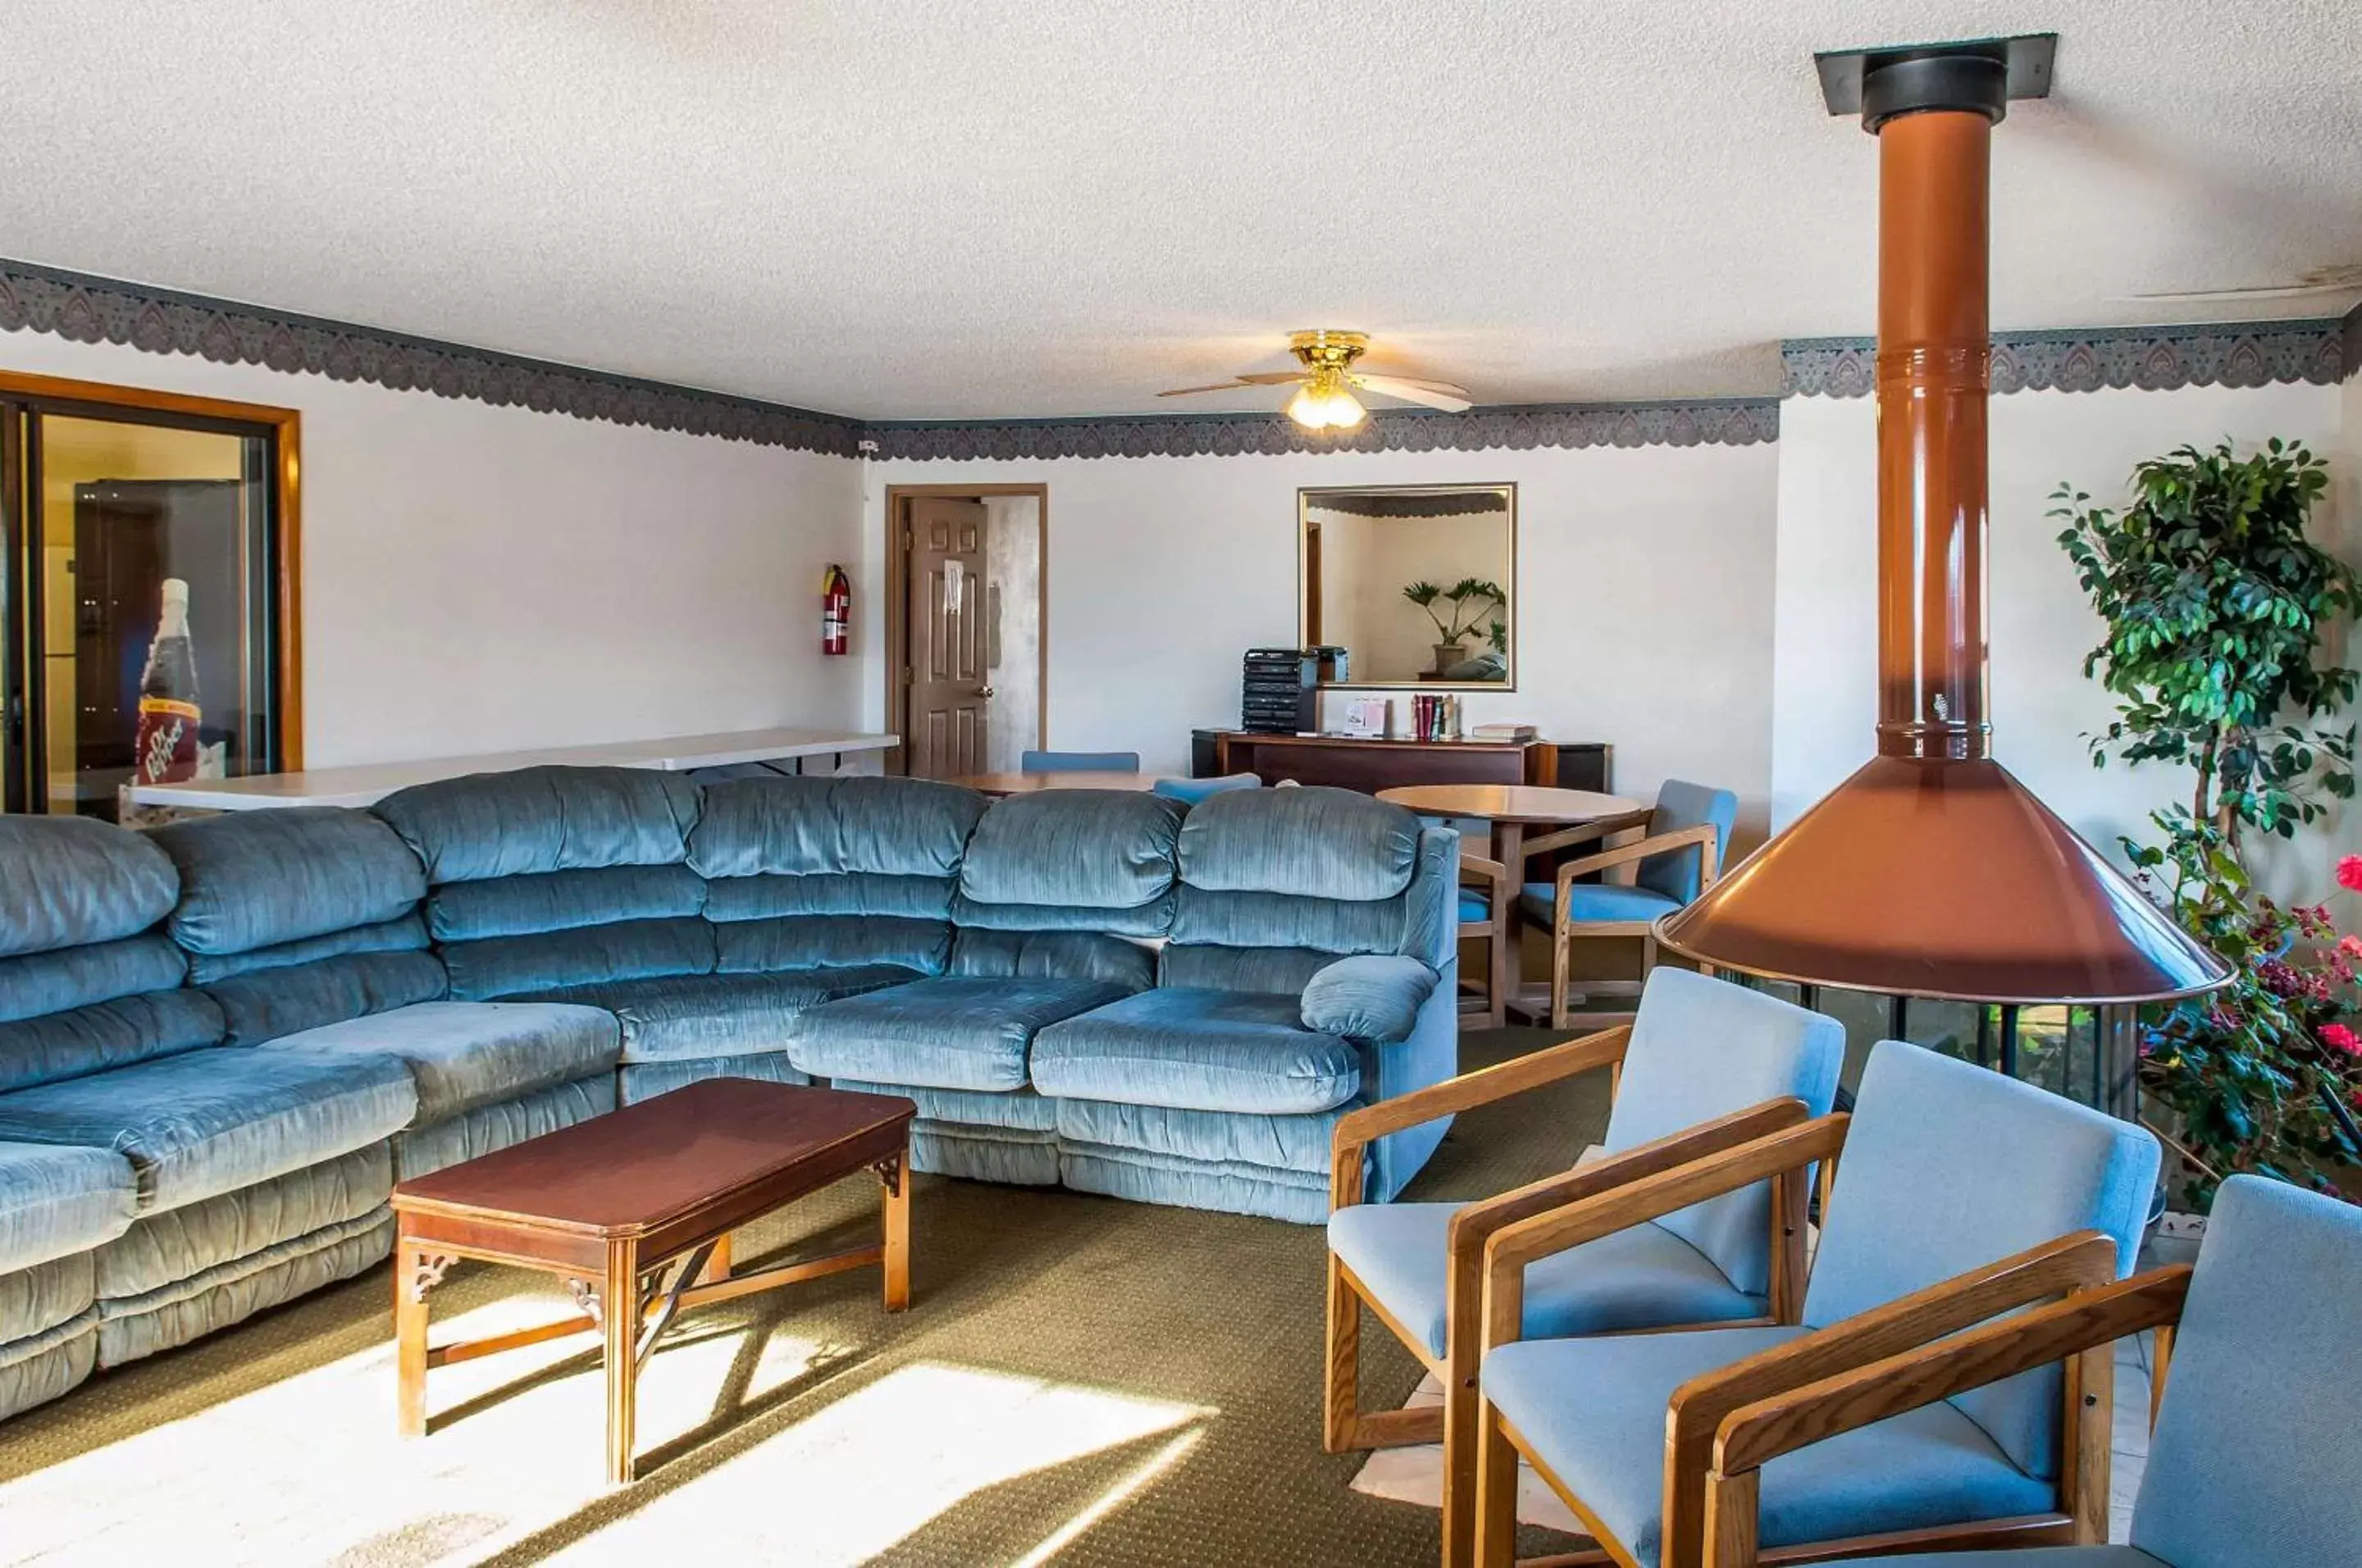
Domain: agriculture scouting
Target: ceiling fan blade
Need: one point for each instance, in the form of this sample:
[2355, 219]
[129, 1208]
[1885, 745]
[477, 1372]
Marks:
[1267, 379]
[1424, 393]
[1447, 388]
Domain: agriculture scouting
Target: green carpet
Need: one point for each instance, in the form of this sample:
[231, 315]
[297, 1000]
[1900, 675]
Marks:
[1170, 1360]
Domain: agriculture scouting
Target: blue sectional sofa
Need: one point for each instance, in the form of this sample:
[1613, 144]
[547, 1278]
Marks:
[222, 1041]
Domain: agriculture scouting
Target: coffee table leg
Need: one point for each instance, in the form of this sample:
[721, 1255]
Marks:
[416, 1271]
[619, 1315]
[894, 1175]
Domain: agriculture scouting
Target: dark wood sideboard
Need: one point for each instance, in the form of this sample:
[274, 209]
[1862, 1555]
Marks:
[1370, 766]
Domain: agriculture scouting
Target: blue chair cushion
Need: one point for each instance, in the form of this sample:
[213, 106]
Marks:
[1203, 1050]
[464, 1054]
[215, 1120]
[1592, 902]
[1643, 1278]
[252, 879]
[531, 820]
[2256, 1451]
[1919, 1199]
[1475, 904]
[956, 1031]
[1677, 873]
[1196, 789]
[1078, 761]
[670, 1018]
[76, 880]
[57, 1201]
[1313, 842]
[1372, 997]
[1593, 1412]
[2021, 1557]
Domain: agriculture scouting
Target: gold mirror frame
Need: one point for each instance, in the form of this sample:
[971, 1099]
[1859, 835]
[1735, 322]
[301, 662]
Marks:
[1307, 497]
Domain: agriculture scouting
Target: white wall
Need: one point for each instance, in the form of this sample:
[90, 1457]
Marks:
[1825, 697]
[479, 578]
[1644, 618]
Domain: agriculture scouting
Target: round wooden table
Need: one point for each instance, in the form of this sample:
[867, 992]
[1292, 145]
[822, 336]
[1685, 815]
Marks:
[1512, 809]
[1033, 783]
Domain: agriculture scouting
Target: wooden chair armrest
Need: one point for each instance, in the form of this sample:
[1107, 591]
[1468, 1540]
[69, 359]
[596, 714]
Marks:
[1624, 854]
[1491, 870]
[1356, 1130]
[1474, 1223]
[1585, 833]
[2083, 1261]
[1508, 1250]
[2085, 1320]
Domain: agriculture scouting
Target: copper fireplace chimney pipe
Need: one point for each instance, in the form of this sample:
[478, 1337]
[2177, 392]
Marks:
[1932, 872]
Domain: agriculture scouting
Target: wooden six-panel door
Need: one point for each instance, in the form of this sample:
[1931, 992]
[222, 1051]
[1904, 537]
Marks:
[948, 695]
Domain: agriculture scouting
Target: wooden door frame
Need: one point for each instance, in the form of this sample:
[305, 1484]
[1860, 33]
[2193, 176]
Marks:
[897, 631]
[287, 515]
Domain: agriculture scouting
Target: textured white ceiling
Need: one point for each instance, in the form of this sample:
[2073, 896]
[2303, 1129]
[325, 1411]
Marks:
[891, 208]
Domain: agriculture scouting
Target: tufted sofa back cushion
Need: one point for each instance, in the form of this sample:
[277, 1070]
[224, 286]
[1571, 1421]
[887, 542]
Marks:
[824, 873]
[87, 981]
[1275, 882]
[549, 877]
[299, 917]
[1099, 860]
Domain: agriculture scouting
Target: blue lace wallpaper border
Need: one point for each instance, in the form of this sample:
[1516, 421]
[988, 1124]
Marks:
[2319, 351]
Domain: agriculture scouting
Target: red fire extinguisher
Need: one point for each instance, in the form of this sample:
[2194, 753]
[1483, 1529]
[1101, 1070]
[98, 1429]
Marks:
[836, 611]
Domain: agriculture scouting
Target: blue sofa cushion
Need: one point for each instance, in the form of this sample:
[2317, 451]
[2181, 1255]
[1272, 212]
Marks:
[559, 900]
[407, 934]
[464, 1054]
[690, 1017]
[1311, 843]
[768, 896]
[1002, 1110]
[177, 1244]
[2029, 1557]
[1592, 901]
[211, 1121]
[591, 954]
[75, 881]
[544, 819]
[67, 978]
[1368, 997]
[1901, 1217]
[797, 827]
[814, 942]
[252, 879]
[1593, 1411]
[108, 1035]
[1055, 955]
[1284, 920]
[1299, 1143]
[1641, 1277]
[1281, 971]
[1153, 918]
[267, 1003]
[1200, 1050]
[1073, 849]
[951, 1032]
[57, 1201]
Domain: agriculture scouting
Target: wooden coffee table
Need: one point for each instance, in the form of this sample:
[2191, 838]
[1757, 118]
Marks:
[637, 1206]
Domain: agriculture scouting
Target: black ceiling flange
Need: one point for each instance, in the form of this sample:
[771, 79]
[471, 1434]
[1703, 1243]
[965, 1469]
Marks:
[1975, 75]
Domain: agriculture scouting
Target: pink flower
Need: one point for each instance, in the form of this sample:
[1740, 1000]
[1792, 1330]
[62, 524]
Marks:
[2350, 945]
[2339, 1037]
[2349, 873]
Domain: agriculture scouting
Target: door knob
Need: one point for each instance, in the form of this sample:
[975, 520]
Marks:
[984, 692]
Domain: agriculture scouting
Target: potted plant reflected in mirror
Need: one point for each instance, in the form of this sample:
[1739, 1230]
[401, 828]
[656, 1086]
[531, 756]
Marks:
[1467, 604]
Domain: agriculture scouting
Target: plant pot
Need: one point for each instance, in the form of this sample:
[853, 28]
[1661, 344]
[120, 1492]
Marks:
[1448, 654]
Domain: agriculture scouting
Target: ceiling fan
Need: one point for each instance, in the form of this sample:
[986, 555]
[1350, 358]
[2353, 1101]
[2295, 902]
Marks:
[1324, 399]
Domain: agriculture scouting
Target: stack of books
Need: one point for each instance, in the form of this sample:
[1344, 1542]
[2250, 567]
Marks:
[1434, 718]
[1509, 734]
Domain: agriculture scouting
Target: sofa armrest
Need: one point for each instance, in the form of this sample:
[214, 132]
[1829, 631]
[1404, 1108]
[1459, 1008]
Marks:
[1373, 996]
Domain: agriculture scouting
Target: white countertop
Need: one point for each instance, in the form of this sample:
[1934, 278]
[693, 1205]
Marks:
[367, 784]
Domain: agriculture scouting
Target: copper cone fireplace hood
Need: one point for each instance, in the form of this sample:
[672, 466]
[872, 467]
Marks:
[1932, 872]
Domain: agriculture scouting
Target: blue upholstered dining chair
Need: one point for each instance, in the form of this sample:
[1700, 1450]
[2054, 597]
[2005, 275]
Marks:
[2256, 1458]
[1487, 897]
[1678, 858]
[1960, 1195]
[1704, 1066]
[1196, 789]
[1079, 762]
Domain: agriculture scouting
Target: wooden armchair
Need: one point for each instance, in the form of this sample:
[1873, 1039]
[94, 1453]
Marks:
[1637, 1418]
[1484, 918]
[1707, 1067]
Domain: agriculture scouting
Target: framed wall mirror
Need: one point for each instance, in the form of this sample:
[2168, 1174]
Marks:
[1410, 585]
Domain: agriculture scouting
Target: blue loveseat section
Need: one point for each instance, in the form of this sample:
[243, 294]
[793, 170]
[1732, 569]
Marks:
[222, 1041]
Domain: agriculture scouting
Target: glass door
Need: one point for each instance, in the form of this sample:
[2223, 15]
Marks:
[141, 599]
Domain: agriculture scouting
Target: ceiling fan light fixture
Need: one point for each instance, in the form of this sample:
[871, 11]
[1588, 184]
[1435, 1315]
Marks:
[1324, 403]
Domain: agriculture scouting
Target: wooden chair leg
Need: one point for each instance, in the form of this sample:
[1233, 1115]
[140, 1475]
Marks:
[1461, 1442]
[1340, 1388]
[1496, 1494]
[1559, 1017]
[1497, 989]
[2091, 1431]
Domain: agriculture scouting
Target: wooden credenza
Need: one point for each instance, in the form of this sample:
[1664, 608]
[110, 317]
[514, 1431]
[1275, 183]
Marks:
[1370, 766]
